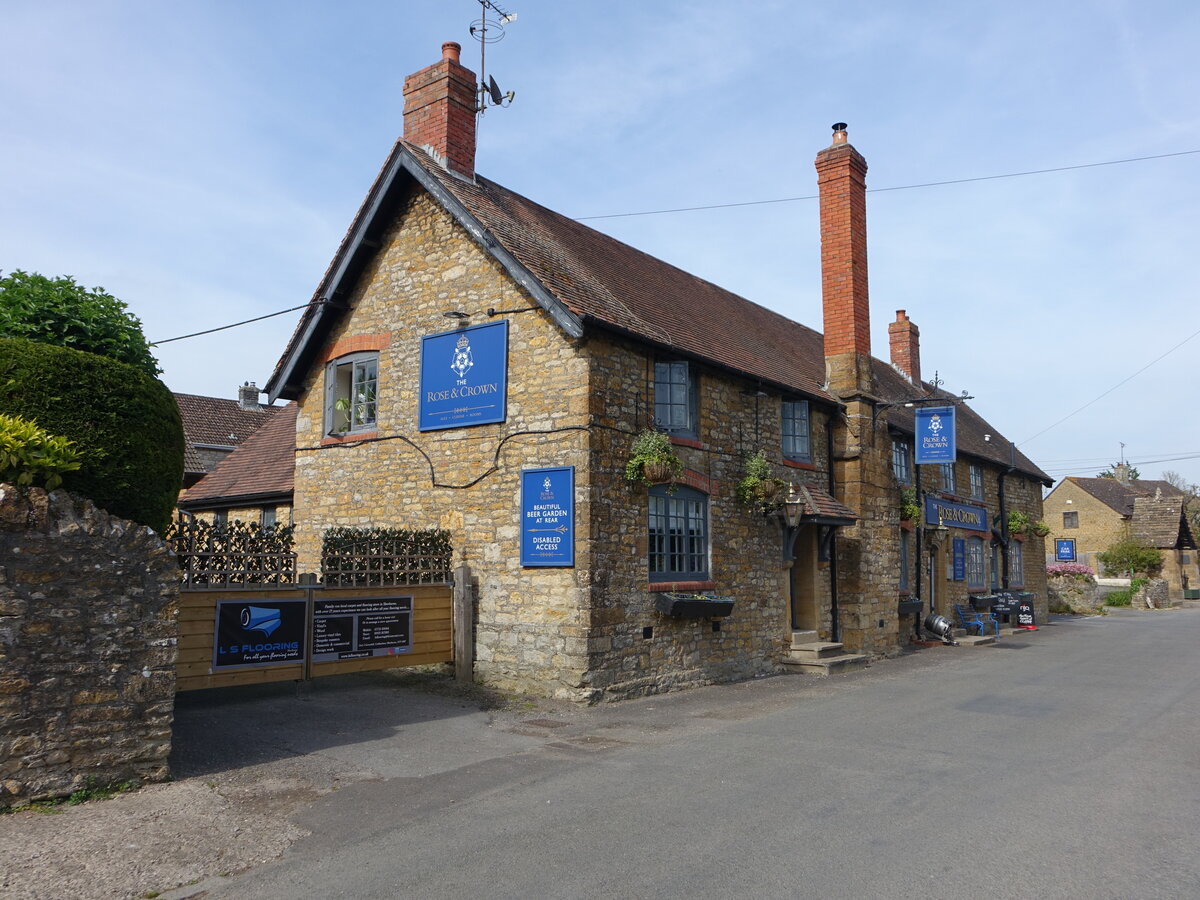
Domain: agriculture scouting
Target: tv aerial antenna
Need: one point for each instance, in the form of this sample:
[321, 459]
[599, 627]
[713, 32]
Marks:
[490, 32]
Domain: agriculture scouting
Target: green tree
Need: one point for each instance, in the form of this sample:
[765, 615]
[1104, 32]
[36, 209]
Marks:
[1131, 556]
[60, 312]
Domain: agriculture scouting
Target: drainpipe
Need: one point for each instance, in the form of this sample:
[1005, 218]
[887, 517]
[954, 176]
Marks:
[835, 628]
[1012, 467]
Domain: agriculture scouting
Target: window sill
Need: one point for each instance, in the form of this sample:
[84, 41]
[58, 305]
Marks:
[675, 586]
[350, 437]
[797, 464]
[680, 441]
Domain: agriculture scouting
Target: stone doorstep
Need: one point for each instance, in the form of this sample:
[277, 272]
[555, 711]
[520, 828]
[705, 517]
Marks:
[974, 640]
[827, 665]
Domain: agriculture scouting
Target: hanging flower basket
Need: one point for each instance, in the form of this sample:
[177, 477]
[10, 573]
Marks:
[696, 606]
[657, 472]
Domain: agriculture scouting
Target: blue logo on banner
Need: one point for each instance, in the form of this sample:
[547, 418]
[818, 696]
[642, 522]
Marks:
[548, 517]
[1064, 549]
[259, 618]
[464, 377]
[935, 439]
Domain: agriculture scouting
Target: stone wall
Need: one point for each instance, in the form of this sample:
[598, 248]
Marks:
[1080, 596]
[87, 647]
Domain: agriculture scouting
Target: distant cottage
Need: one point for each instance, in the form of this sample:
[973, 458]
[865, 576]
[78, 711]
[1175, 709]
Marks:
[476, 362]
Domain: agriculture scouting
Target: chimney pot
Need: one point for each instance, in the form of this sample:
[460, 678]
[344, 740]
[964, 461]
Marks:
[839, 132]
[451, 50]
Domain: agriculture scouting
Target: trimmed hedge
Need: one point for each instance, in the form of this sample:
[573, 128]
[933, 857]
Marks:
[125, 424]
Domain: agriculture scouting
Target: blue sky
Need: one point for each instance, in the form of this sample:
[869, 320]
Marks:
[202, 161]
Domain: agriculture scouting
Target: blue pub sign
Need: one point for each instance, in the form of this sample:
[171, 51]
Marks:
[955, 515]
[464, 377]
[548, 517]
[935, 435]
[1064, 549]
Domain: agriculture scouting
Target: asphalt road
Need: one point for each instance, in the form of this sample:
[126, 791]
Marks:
[1062, 764]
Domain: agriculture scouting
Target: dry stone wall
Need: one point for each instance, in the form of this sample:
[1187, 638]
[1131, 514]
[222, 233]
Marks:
[88, 606]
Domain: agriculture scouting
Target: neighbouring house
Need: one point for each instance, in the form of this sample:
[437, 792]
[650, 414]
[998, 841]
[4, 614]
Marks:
[475, 362]
[1092, 514]
[213, 427]
[254, 482]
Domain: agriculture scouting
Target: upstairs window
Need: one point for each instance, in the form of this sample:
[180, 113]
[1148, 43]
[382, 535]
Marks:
[1070, 520]
[976, 475]
[949, 485]
[902, 462]
[676, 406]
[678, 532]
[351, 386]
[797, 445]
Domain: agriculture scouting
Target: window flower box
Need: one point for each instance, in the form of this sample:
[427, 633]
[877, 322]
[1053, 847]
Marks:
[909, 606]
[696, 606]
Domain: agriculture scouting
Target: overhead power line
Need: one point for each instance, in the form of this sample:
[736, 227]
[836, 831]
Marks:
[899, 187]
[231, 325]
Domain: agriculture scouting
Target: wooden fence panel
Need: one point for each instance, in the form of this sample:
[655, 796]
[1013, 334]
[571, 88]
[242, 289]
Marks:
[431, 637]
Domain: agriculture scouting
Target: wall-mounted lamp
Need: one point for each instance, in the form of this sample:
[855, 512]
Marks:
[793, 506]
[455, 314]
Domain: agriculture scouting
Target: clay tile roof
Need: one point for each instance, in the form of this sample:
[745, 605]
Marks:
[820, 506]
[217, 421]
[1160, 522]
[1108, 491]
[971, 427]
[263, 465]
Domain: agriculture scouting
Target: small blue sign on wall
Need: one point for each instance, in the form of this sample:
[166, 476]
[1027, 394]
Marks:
[960, 559]
[548, 517]
[1064, 549]
[935, 436]
[464, 377]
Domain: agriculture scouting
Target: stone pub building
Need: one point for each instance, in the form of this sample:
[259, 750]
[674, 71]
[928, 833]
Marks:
[475, 362]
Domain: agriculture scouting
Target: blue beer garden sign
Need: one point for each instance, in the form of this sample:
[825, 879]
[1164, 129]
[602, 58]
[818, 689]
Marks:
[548, 517]
[464, 377]
[935, 437]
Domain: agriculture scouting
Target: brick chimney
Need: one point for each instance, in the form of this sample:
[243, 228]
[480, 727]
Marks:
[905, 339]
[439, 111]
[842, 183]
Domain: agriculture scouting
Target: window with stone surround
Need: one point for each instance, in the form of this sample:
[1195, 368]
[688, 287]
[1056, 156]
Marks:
[351, 387]
[1070, 520]
[949, 482]
[676, 398]
[976, 475]
[1016, 564]
[797, 445]
[678, 530]
[975, 564]
[902, 462]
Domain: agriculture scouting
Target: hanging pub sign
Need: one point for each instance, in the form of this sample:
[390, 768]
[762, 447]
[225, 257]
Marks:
[259, 632]
[935, 438]
[548, 517]
[1064, 549]
[464, 377]
[955, 515]
[960, 559]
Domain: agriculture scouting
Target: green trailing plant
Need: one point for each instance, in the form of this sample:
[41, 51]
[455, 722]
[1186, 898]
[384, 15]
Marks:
[759, 487]
[31, 456]
[1018, 522]
[1130, 556]
[60, 312]
[123, 422]
[1040, 528]
[652, 459]
[910, 509]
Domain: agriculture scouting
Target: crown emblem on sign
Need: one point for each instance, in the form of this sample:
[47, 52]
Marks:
[463, 342]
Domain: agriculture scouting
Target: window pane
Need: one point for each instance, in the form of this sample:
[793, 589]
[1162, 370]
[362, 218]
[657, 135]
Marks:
[796, 444]
[678, 534]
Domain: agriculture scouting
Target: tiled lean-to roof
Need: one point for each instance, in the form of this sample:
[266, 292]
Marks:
[262, 467]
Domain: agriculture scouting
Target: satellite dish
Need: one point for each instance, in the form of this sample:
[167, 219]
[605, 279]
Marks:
[494, 90]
